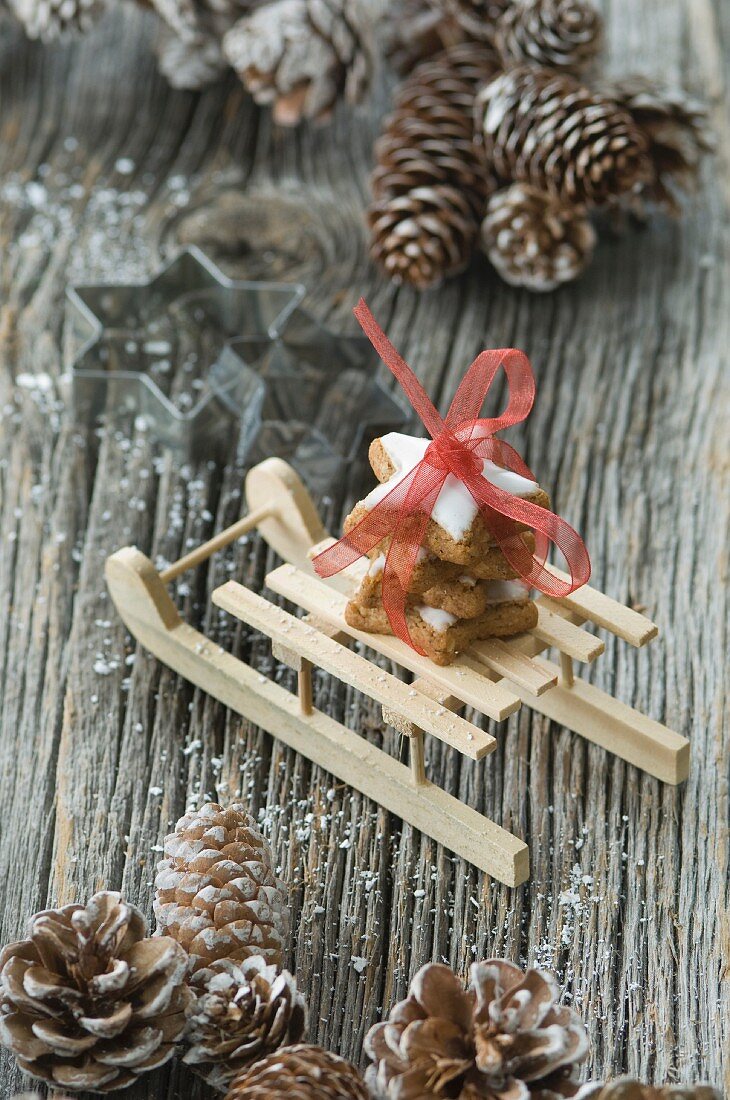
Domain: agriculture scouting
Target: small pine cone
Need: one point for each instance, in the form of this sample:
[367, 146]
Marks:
[502, 1037]
[430, 183]
[243, 1012]
[535, 240]
[193, 20]
[550, 131]
[301, 56]
[475, 19]
[189, 49]
[625, 1088]
[190, 64]
[676, 129]
[216, 892]
[419, 29]
[556, 34]
[300, 1073]
[53, 19]
[87, 1002]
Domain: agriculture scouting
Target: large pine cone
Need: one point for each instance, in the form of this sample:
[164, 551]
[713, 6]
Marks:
[87, 1001]
[52, 19]
[243, 1012]
[676, 129]
[535, 240]
[430, 183]
[216, 891]
[626, 1088]
[300, 1073]
[556, 34]
[301, 56]
[552, 132]
[504, 1038]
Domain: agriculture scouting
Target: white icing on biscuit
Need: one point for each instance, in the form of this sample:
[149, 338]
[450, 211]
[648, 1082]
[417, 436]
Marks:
[455, 509]
[507, 591]
[377, 565]
[436, 618]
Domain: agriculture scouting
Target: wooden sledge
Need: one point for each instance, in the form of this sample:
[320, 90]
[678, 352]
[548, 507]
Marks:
[494, 677]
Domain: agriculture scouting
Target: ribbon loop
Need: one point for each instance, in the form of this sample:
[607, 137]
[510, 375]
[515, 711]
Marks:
[459, 446]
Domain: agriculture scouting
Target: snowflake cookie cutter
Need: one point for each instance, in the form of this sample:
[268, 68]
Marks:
[190, 351]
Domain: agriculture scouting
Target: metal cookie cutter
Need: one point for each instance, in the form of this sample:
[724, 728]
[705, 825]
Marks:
[139, 348]
[191, 352]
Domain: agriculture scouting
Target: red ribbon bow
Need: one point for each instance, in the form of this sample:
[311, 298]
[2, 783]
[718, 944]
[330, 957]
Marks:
[459, 444]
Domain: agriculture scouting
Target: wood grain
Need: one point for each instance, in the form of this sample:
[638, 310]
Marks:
[629, 898]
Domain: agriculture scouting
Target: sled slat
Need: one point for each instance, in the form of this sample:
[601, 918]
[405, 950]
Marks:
[464, 678]
[508, 661]
[624, 622]
[400, 699]
[569, 639]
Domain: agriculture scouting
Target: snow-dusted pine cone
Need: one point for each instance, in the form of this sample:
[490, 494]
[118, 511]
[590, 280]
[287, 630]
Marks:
[301, 56]
[242, 1012]
[300, 1073]
[626, 1088]
[549, 130]
[52, 19]
[430, 183]
[190, 65]
[502, 1038]
[535, 240]
[557, 34]
[88, 1001]
[216, 892]
[190, 45]
[676, 129]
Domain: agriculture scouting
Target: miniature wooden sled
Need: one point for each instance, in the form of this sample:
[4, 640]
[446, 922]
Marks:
[494, 677]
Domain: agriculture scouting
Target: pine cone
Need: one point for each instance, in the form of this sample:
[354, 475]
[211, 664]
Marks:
[535, 240]
[192, 20]
[53, 19]
[243, 1012]
[216, 891]
[676, 129]
[419, 29]
[302, 56]
[625, 1088]
[300, 1073]
[190, 64]
[430, 183]
[190, 48]
[503, 1037]
[87, 1001]
[475, 19]
[550, 131]
[557, 34]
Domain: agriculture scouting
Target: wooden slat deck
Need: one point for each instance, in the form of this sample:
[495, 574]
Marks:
[464, 678]
[326, 653]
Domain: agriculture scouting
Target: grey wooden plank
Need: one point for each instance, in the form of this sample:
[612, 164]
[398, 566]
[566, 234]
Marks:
[629, 896]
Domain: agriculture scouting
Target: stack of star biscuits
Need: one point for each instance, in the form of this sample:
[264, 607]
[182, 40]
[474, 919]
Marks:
[462, 588]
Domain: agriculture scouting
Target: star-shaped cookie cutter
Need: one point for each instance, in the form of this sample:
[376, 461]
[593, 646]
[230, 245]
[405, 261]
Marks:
[192, 350]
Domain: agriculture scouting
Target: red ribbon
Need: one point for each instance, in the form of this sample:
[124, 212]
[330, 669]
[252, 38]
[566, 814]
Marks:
[458, 446]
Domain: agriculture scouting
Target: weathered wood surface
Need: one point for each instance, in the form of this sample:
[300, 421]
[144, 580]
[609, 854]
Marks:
[102, 748]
